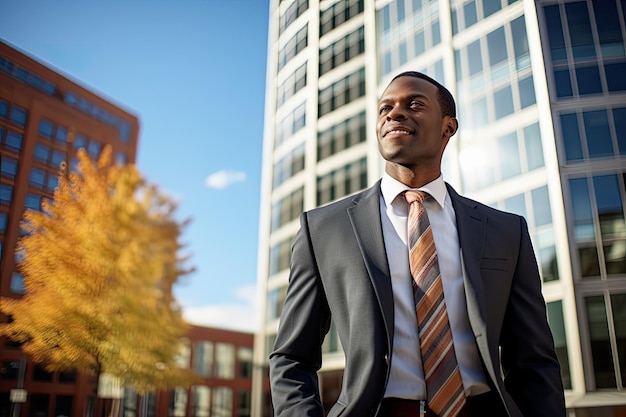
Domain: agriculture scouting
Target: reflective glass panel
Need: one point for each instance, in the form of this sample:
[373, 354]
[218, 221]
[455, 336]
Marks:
[541, 206]
[557, 325]
[555, 33]
[526, 92]
[534, 149]
[571, 137]
[609, 203]
[469, 11]
[619, 118]
[581, 207]
[588, 80]
[615, 79]
[609, 32]
[618, 306]
[496, 44]
[580, 30]
[503, 102]
[601, 352]
[563, 83]
[474, 58]
[599, 143]
[509, 157]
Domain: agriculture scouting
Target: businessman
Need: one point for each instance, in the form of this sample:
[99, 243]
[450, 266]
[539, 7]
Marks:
[436, 298]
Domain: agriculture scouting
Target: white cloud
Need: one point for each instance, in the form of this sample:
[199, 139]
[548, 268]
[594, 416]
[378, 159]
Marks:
[239, 316]
[222, 179]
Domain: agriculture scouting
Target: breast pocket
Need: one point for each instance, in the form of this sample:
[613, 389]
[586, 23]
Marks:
[494, 264]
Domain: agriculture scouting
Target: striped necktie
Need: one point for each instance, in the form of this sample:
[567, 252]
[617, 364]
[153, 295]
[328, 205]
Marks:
[443, 378]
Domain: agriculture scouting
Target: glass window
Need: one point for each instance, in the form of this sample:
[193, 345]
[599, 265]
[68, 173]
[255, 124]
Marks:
[57, 158]
[18, 116]
[4, 219]
[609, 32]
[9, 167]
[609, 203]
[224, 360]
[588, 80]
[474, 58]
[601, 352]
[534, 148]
[526, 92]
[33, 201]
[509, 156]
[496, 44]
[541, 206]
[581, 207]
[491, 6]
[555, 33]
[94, 149]
[37, 177]
[222, 402]
[9, 370]
[571, 137]
[599, 142]
[557, 325]
[4, 109]
[42, 153]
[503, 102]
[470, 14]
[53, 183]
[520, 42]
[201, 397]
[14, 141]
[46, 128]
[580, 30]
[203, 358]
[244, 356]
[619, 117]
[618, 307]
[563, 83]
[61, 134]
[615, 79]
[6, 194]
[516, 204]
[17, 283]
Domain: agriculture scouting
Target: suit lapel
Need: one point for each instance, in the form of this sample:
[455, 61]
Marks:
[471, 226]
[365, 218]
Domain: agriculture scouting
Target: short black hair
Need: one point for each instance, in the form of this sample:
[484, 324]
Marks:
[446, 101]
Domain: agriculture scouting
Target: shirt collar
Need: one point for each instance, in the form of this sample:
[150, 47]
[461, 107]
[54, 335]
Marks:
[390, 188]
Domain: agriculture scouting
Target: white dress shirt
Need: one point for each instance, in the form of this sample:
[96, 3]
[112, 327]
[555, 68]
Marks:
[406, 379]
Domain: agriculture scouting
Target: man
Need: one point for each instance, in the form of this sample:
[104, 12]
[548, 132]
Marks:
[352, 262]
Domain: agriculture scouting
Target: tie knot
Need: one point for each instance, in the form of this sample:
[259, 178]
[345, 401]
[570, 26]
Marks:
[413, 196]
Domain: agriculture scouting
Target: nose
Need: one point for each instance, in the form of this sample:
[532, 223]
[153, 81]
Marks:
[396, 113]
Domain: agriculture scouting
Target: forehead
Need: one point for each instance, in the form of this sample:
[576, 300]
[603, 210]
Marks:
[409, 86]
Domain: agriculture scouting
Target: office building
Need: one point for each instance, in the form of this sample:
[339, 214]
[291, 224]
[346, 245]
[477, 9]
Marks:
[541, 98]
[44, 118]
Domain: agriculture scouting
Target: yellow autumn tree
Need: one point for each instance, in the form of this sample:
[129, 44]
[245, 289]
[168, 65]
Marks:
[99, 264]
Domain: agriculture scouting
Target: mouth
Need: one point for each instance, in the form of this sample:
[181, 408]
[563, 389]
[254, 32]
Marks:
[397, 131]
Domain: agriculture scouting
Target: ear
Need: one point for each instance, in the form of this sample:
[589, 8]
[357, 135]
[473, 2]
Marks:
[450, 126]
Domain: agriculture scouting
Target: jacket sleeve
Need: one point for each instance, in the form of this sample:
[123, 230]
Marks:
[304, 322]
[531, 369]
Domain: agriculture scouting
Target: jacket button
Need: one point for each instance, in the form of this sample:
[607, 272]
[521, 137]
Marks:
[387, 359]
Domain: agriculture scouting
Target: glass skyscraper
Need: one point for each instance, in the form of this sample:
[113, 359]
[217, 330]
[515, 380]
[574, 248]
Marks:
[541, 95]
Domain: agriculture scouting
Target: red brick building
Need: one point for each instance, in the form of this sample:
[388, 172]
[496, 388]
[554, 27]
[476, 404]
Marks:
[44, 118]
[223, 360]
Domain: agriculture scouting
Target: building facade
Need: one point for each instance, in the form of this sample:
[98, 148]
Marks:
[541, 98]
[222, 359]
[44, 118]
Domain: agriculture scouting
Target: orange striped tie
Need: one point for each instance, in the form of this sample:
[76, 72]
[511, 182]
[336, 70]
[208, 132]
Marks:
[443, 378]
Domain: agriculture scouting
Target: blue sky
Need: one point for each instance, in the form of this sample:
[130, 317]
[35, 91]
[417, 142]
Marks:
[193, 72]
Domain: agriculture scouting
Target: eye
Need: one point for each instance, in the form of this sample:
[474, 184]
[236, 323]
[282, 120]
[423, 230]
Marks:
[384, 109]
[415, 104]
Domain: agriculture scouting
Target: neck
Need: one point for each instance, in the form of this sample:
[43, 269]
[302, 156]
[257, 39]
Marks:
[412, 177]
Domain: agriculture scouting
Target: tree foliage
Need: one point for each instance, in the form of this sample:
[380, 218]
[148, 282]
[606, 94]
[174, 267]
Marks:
[99, 264]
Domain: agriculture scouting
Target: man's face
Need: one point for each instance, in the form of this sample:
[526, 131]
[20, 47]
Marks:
[411, 130]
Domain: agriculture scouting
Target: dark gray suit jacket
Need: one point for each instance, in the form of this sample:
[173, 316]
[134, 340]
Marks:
[339, 270]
